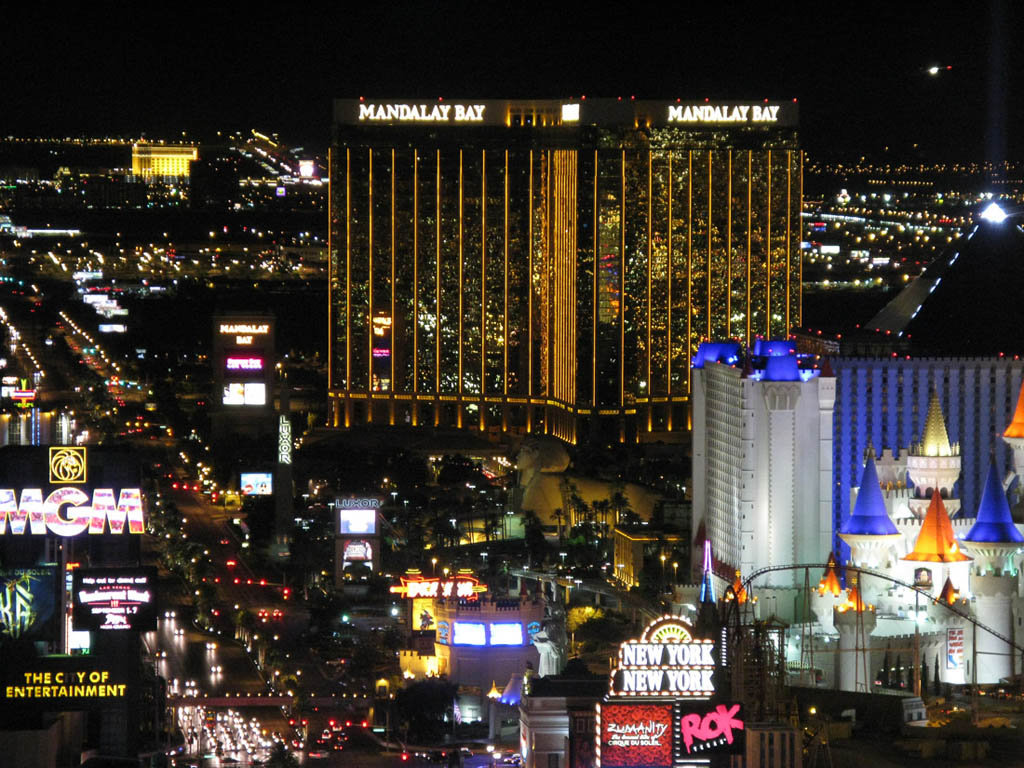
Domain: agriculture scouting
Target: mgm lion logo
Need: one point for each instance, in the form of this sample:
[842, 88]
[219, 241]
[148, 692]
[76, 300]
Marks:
[67, 465]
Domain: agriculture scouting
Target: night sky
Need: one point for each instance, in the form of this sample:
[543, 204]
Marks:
[860, 71]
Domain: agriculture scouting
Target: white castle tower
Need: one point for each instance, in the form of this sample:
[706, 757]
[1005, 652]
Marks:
[991, 541]
[854, 620]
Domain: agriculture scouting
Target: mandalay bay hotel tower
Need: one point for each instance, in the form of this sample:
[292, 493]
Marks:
[552, 265]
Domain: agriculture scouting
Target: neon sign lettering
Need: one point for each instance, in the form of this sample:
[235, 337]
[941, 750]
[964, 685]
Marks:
[258, 329]
[715, 113]
[463, 587]
[244, 363]
[423, 113]
[44, 515]
[713, 729]
[644, 734]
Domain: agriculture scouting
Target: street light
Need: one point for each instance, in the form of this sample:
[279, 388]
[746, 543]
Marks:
[433, 566]
[675, 572]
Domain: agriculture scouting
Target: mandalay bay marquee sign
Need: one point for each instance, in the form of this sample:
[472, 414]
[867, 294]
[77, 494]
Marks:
[67, 510]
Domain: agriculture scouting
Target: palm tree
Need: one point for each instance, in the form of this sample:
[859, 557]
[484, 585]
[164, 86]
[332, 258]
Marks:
[618, 502]
[559, 517]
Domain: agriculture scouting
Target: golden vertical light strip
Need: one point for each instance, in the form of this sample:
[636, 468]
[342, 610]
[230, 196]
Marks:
[622, 291]
[483, 285]
[415, 277]
[800, 225]
[750, 185]
[707, 310]
[529, 301]
[458, 410]
[348, 278]
[650, 267]
[689, 263]
[596, 239]
[789, 219]
[768, 256]
[728, 252]
[369, 303]
[668, 288]
[504, 331]
[332, 275]
[437, 294]
[394, 324]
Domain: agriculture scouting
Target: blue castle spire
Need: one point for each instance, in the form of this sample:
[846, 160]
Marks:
[869, 515]
[994, 523]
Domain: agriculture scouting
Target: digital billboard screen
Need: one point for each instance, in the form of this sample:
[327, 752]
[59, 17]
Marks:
[358, 551]
[506, 633]
[245, 393]
[114, 599]
[470, 633]
[360, 521]
[635, 735]
[28, 598]
[256, 484]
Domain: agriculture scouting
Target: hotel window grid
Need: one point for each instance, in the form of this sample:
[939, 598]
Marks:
[536, 277]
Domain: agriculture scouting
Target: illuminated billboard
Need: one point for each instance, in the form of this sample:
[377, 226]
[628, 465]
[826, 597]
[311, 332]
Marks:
[114, 599]
[469, 633]
[635, 735]
[61, 683]
[684, 726]
[954, 648]
[256, 484]
[506, 633]
[245, 393]
[243, 363]
[66, 511]
[358, 551]
[702, 728]
[358, 521]
[666, 661]
[27, 603]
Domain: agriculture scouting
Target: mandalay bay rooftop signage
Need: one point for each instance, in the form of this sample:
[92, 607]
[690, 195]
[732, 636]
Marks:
[567, 113]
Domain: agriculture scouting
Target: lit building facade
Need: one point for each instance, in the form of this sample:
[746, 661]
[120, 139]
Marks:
[160, 161]
[762, 448]
[551, 266]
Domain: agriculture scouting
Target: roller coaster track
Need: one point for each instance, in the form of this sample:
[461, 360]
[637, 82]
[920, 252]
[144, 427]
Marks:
[748, 585]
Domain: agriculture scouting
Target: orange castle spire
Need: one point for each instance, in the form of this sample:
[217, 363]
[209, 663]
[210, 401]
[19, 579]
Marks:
[830, 579]
[854, 602]
[1016, 428]
[738, 590]
[936, 543]
[949, 594]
